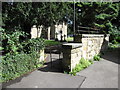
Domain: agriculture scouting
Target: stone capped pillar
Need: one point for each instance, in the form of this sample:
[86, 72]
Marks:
[92, 44]
[72, 53]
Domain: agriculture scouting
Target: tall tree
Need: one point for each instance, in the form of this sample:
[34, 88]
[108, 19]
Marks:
[97, 14]
[23, 15]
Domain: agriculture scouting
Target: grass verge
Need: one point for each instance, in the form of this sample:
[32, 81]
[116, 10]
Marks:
[51, 42]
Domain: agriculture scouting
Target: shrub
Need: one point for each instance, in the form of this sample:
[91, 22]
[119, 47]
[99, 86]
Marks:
[15, 65]
[91, 61]
[114, 46]
[19, 57]
[115, 34]
[11, 41]
[96, 57]
[34, 44]
[85, 63]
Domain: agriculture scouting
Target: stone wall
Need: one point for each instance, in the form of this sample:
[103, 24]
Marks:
[92, 44]
[87, 47]
[72, 52]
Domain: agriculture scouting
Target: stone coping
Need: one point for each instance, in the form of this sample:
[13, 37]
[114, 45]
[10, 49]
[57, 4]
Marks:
[92, 35]
[71, 45]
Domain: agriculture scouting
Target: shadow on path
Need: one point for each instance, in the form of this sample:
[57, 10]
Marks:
[17, 80]
[53, 60]
[112, 55]
[55, 66]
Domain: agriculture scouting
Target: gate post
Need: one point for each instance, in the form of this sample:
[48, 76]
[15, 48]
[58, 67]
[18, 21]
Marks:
[72, 53]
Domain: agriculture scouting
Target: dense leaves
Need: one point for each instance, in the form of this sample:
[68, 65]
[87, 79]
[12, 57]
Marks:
[13, 66]
[101, 15]
[19, 56]
[24, 15]
[97, 14]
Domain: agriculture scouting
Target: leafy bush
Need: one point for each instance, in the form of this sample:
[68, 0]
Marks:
[15, 65]
[96, 57]
[91, 61]
[113, 46]
[85, 63]
[19, 57]
[115, 35]
[11, 41]
[34, 44]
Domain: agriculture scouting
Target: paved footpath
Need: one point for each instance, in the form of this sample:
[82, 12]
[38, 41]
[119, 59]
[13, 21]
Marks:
[102, 74]
[39, 79]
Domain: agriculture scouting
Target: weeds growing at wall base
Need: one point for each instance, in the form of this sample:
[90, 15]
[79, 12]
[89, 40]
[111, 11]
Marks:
[84, 63]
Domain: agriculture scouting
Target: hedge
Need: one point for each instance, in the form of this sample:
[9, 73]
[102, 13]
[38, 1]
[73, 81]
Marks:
[19, 57]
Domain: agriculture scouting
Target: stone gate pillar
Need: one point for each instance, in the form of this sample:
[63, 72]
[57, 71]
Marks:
[72, 53]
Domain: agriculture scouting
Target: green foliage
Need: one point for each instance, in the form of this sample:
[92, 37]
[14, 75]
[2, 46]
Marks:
[115, 35]
[19, 57]
[34, 44]
[1, 48]
[91, 61]
[15, 65]
[70, 39]
[11, 41]
[114, 46]
[97, 58]
[65, 72]
[101, 15]
[51, 42]
[82, 65]
[41, 13]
